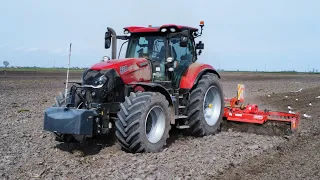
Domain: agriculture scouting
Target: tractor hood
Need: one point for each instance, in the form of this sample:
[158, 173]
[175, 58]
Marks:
[129, 69]
[120, 64]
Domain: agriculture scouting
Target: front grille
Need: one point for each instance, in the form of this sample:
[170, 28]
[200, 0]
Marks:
[89, 78]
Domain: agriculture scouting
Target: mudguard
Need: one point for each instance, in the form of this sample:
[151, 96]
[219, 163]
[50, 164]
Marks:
[159, 88]
[69, 121]
[193, 74]
[155, 87]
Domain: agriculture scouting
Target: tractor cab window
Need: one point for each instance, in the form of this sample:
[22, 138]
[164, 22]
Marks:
[184, 56]
[181, 54]
[150, 47]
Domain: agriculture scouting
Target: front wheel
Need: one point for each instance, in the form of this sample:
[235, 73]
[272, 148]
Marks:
[143, 122]
[206, 106]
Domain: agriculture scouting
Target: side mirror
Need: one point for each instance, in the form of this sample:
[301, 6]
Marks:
[107, 40]
[183, 41]
[200, 45]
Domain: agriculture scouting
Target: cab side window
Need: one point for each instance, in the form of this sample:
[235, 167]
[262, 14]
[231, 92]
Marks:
[181, 53]
[189, 55]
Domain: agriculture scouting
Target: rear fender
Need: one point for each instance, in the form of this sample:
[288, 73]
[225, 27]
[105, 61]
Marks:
[194, 73]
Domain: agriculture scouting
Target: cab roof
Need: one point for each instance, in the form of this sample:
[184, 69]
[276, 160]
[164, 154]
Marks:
[141, 29]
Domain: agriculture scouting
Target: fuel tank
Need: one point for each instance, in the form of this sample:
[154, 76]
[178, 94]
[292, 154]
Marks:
[129, 69]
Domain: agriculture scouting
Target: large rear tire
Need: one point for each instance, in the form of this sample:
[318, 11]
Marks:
[206, 106]
[143, 123]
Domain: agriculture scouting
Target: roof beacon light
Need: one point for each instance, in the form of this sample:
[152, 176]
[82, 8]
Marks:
[163, 30]
[201, 26]
[172, 29]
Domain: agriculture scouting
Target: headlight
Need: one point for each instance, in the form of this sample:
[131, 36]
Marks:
[101, 80]
[163, 30]
[172, 29]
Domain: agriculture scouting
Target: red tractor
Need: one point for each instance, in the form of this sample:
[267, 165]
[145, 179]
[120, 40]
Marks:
[158, 84]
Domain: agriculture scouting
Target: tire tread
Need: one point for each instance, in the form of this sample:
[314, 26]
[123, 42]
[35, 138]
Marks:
[195, 121]
[128, 130]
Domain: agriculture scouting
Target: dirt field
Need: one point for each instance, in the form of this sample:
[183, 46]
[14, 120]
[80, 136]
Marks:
[28, 152]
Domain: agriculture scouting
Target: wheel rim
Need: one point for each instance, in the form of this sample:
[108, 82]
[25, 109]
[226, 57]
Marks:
[155, 124]
[212, 105]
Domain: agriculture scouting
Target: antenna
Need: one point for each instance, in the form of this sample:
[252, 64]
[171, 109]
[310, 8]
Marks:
[66, 91]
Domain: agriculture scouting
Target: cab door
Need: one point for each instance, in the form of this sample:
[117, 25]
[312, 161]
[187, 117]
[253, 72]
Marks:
[184, 56]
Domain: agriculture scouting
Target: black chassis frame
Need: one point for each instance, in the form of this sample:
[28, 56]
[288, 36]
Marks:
[99, 114]
[105, 111]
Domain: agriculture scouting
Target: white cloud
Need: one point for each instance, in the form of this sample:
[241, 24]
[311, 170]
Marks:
[32, 50]
[59, 51]
[18, 49]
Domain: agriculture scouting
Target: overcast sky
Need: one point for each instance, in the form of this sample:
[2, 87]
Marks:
[244, 35]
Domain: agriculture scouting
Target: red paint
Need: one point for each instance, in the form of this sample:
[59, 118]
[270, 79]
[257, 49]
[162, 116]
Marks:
[251, 108]
[252, 114]
[140, 29]
[180, 27]
[190, 76]
[132, 72]
[137, 29]
[138, 88]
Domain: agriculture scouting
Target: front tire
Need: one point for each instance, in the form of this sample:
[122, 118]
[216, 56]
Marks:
[143, 122]
[206, 106]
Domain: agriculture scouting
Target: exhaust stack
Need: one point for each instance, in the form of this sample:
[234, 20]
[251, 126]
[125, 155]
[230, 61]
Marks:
[113, 43]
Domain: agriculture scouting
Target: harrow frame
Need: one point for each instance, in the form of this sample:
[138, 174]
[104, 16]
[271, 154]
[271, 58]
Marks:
[250, 113]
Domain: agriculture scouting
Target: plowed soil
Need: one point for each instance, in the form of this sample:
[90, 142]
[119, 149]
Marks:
[240, 151]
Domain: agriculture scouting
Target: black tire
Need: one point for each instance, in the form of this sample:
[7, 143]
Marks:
[131, 123]
[196, 117]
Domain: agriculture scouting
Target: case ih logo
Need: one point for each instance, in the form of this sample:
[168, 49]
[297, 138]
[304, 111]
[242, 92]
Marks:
[123, 69]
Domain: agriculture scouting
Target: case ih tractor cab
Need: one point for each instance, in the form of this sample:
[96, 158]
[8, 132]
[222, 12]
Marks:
[157, 84]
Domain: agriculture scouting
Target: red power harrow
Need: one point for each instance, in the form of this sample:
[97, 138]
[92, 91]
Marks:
[250, 113]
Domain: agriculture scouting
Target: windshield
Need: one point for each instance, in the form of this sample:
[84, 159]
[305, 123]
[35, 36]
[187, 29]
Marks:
[146, 46]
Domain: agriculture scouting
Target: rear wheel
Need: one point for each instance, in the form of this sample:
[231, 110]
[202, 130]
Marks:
[206, 106]
[143, 122]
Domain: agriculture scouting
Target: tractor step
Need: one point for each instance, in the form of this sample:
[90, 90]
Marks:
[183, 127]
[181, 117]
